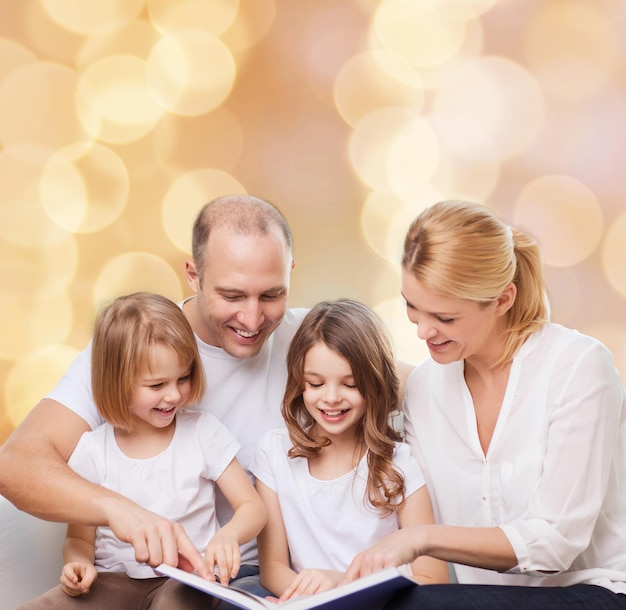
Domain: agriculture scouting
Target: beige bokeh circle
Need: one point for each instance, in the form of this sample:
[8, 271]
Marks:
[90, 18]
[614, 254]
[33, 377]
[377, 213]
[12, 56]
[114, 102]
[37, 274]
[24, 119]
[578, 63]
[500, 96]
[84, 188]
[393, 149]
[136, 272]
[191, 72]
[408, 346]
[376, 79]
[419, 35]
[214, 17]
[563, 215]
[187, 195]
[27, 325]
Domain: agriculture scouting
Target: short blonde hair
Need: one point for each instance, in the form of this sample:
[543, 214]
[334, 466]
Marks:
[125, 332]
[462, 250]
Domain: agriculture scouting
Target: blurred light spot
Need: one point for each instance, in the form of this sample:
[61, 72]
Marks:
[12, 56]
[136, 39]
[572, 49]
[435, 76]
[253, 23]
[564, 290]
[211, 140]
[563, 215]
[47, 38]
[22, 219]
[421, 37]
[414, 204]
[333, 33]
[24, 119]
[187, 195]
[614, 254]
[84, 188]
[33, 377]
[113, 101]
[453, 9]
[178, 74]
[469, 167]
[376, 79]
[28, 325]
[23, 223]
[37, 274]
[376, 216]
[501, 97]
[408, 347]
[135, 272]
[213, 16]
[92, 17]
[393, 149]
[413, 156]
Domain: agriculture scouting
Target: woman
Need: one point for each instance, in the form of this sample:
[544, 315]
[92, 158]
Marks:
[519, 425]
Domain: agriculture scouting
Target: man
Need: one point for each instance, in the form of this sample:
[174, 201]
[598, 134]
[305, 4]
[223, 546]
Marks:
[240, 271]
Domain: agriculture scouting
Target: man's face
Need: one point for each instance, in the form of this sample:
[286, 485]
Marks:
[242, 296]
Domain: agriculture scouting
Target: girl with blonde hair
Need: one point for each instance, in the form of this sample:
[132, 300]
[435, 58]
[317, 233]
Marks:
[146, 372]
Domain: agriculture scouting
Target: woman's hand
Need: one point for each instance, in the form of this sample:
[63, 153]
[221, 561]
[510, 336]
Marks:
[391, 551]
[77, 578]
[310, 582]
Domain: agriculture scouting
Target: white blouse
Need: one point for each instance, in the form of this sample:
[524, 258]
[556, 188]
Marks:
[554, 476]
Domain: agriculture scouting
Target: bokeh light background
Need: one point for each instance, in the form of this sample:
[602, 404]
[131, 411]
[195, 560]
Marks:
[118, 120]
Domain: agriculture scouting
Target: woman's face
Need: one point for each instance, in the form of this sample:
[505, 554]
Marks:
[454, 329]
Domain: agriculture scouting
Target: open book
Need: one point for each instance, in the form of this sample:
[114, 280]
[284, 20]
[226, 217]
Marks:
[370, 592]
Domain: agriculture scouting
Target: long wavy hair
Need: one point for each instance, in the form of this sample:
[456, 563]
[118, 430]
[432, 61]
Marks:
[357, 334]
[462, 250]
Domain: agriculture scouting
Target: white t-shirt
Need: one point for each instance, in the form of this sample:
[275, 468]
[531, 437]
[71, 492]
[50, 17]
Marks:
[327, 522]
[554, 477]
[244, 394]
[178, 483]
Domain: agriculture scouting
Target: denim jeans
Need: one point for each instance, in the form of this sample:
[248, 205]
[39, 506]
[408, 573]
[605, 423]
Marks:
[498, 597]
[247, 579]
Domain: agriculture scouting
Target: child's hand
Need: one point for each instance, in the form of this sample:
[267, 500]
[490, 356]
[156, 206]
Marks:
[223, 552]
[310, 582]
[77, 578]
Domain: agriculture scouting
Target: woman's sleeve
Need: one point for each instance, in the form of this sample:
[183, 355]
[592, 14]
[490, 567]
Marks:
[582, 436]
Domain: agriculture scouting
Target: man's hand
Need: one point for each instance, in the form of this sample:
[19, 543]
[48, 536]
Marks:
[77, 578]
[155, 539]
